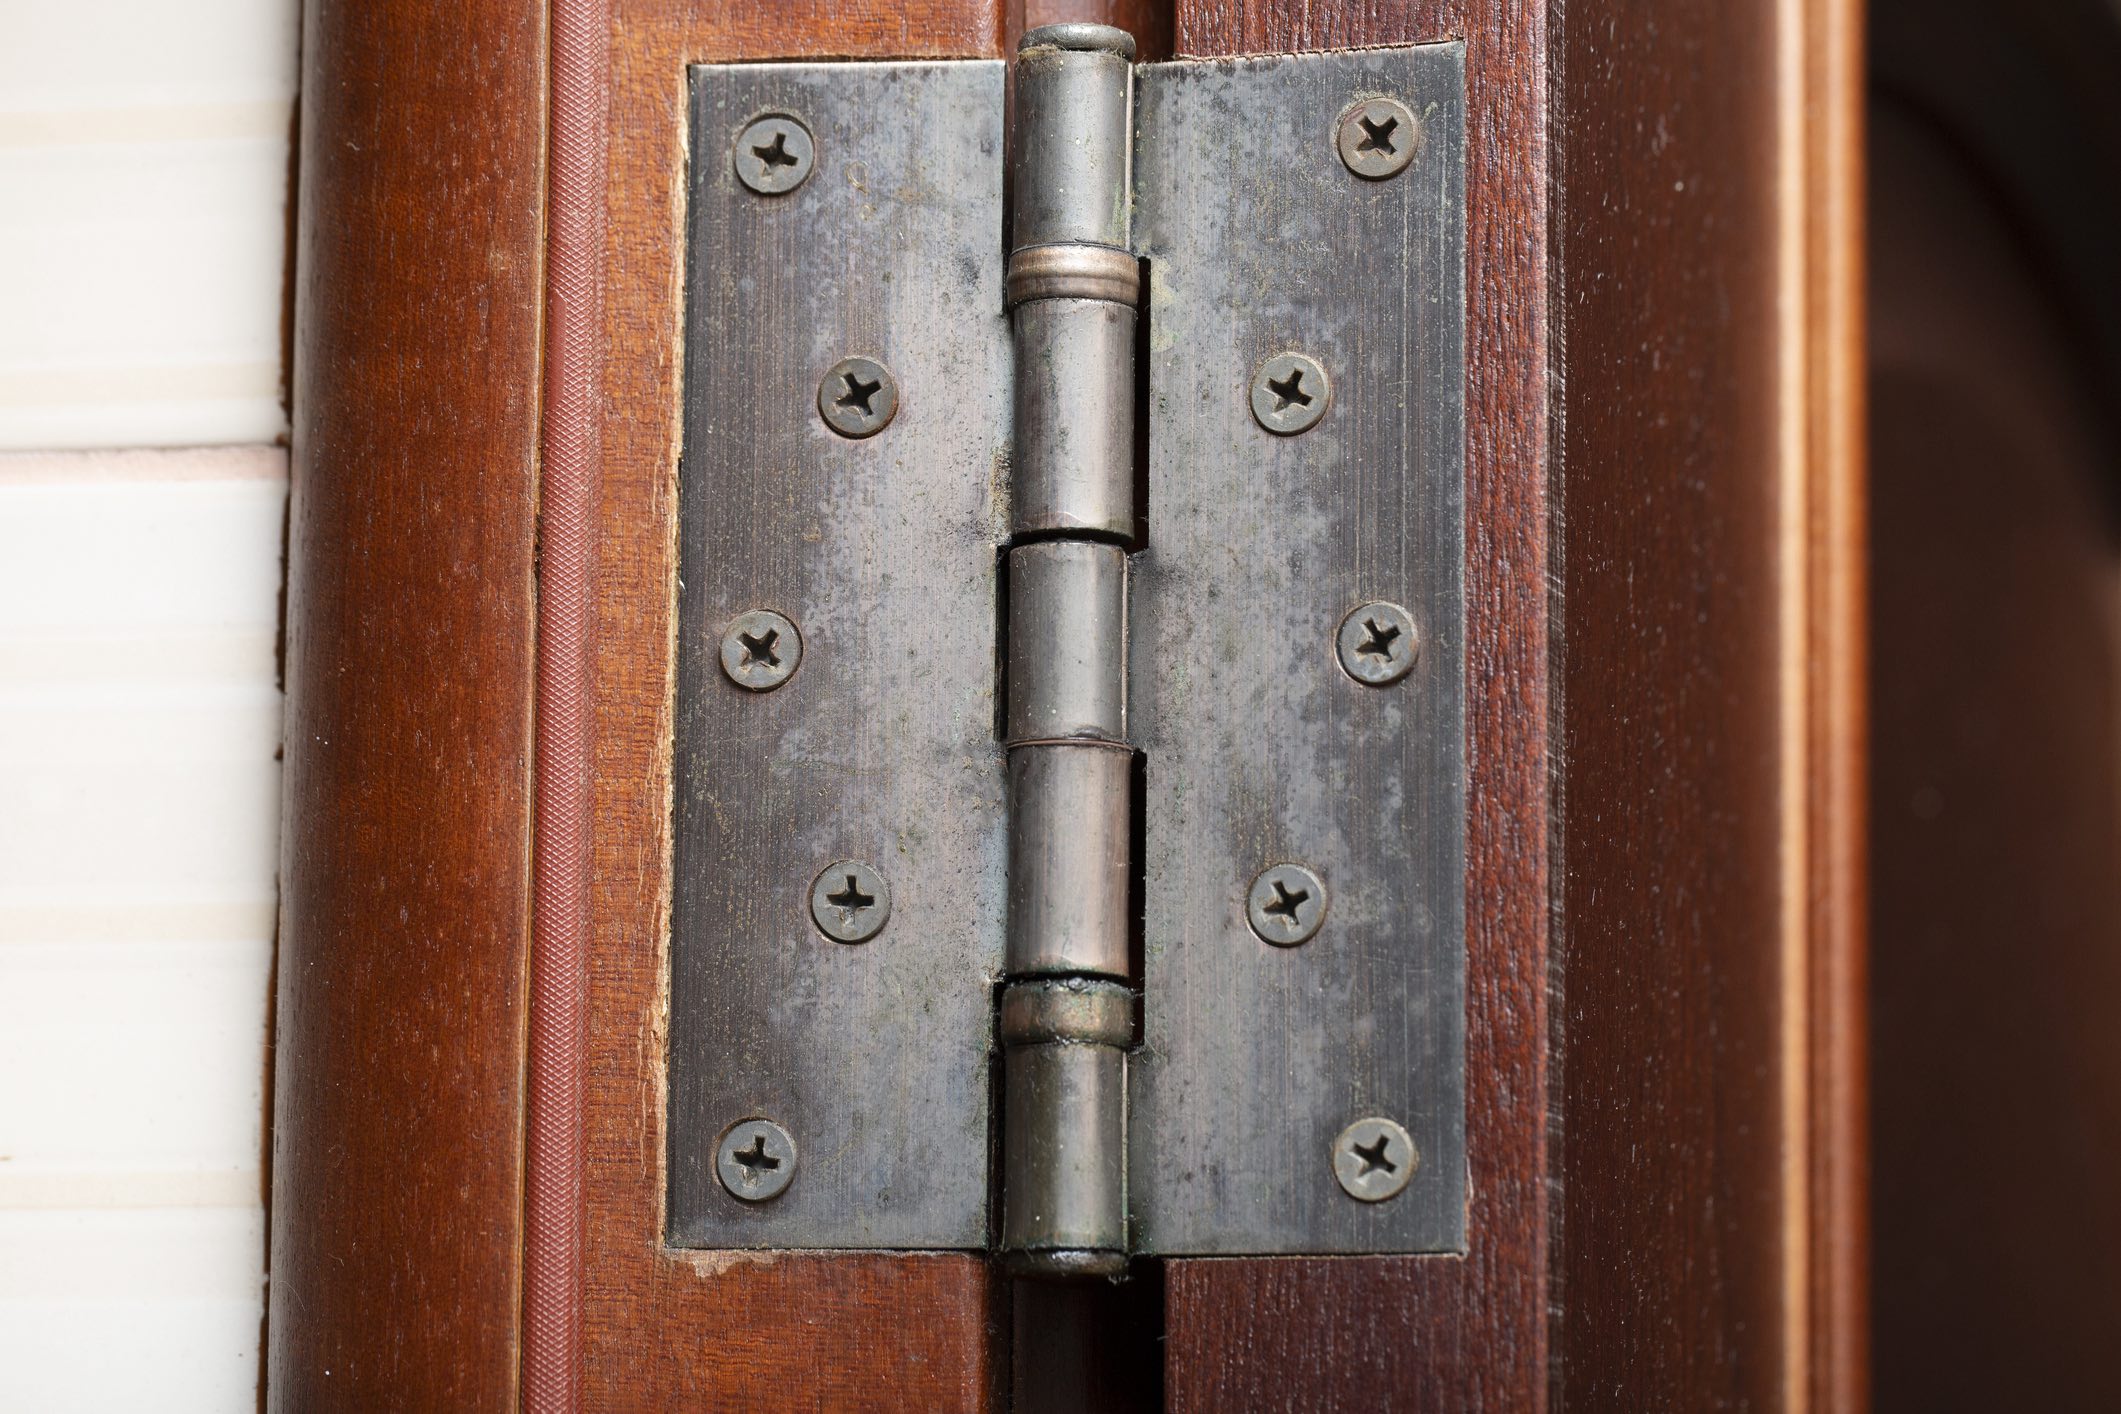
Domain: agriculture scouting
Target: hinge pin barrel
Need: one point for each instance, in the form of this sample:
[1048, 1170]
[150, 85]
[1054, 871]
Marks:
[1067, 1010]
[1073, 467]
[1073, 284]
[1074, 144]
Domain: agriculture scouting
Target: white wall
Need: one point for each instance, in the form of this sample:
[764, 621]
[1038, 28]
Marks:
[143, 187]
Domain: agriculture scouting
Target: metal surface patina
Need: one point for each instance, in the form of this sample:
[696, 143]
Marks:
[875, 531]
[1259, 748]
[1156, 802]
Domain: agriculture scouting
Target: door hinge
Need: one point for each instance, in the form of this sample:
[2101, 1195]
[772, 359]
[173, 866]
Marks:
[1067, 1007]
[1070, 658]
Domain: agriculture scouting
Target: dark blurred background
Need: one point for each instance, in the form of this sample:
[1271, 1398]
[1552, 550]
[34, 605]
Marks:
[1995, 310]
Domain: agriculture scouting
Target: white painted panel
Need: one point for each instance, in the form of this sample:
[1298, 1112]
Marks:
[138, 1068]
[143, 189]
[129, 1311]
[139, 782]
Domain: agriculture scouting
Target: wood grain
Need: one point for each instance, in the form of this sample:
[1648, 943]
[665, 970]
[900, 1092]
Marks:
[662, 1328]
[1712, 1037]
[398, 1080]
[1442, 1333]
[1675, 1285]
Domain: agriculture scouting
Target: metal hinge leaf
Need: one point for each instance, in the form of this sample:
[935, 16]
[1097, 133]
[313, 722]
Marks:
[1213, 839]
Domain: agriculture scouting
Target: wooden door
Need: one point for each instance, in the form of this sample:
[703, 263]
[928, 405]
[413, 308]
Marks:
[1665, 819]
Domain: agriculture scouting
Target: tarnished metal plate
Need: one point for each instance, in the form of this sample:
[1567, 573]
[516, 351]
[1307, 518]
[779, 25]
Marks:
[1260, 749]
[881, 746]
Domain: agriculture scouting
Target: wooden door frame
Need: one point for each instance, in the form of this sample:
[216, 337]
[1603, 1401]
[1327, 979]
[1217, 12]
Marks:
[1664, 1023]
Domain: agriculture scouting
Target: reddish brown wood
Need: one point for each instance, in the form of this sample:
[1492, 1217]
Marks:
[1836, 746]
[397, 1162]
[665, 1329]
[1711, 1035]
[1671, 1275]
[1441, 1333]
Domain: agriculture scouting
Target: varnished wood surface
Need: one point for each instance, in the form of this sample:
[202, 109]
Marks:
[398, 1074]
[664, 1329]
[1834, 659]
[1675, 1184]
[1670, 1228]
[1441, 1333]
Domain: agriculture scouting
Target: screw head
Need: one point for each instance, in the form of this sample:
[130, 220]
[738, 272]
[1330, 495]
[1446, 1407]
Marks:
[755, 1160]
[1373, 1159]
[1377, 137]
[761, 649]
[1290, 393]
[1377, 643]
[1286, 904]
[774, 155]
[858, 397]
[850, 902]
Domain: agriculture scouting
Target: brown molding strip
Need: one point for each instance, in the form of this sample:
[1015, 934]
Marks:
[570, 440]
[1825, 130]
[397, 1196]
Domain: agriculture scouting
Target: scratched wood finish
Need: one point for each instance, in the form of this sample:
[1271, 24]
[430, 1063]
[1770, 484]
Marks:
[1415, 1332]
[663, 1328]
[398, 1075]
[1671, 1273]
[1711, 1036]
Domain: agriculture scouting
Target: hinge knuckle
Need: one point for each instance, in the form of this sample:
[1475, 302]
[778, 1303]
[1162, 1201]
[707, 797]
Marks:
[1064, 1147]
[1073, 465]
[1070, 838]
[1067, 642]
[1074, 117]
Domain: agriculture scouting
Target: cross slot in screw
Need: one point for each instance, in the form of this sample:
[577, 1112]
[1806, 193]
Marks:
[1374, 1158]
[1377, 138]
[1290, 392]
[1377, 643]
[850, 902]
[774, 155]
[760, 650]
[755, 1160]
[1286, 905]
[857, 397]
